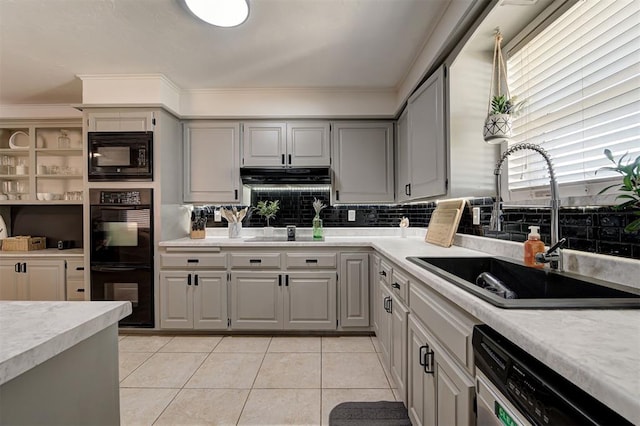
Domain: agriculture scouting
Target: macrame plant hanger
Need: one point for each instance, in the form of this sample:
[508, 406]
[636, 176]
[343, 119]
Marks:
[497, 127]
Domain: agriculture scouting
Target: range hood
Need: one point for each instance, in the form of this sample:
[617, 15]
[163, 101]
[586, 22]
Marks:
[286, 176]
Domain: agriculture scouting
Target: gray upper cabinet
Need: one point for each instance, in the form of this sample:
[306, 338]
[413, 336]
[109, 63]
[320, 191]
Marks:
[124, 121]
[211, 154]
[427, 148]
[362, 162]
[308, 144]
[286, 144]
[403, 176]
[264, 144]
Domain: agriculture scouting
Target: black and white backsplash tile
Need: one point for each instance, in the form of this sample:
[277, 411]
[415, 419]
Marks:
[592, 229]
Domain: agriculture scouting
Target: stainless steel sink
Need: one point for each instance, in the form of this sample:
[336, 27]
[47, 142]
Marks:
[533, 288]
[261, 239]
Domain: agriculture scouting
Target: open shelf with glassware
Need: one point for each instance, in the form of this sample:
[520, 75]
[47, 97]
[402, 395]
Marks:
[41, 163]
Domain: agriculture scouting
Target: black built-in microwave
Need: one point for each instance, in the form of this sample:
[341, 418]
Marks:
[120, 156]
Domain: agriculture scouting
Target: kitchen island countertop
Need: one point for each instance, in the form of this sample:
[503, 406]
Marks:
[598, 350]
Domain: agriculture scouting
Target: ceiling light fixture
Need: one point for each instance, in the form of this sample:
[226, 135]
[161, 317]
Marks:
[221, 13]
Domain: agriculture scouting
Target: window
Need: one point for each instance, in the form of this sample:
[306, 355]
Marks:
[580, 78]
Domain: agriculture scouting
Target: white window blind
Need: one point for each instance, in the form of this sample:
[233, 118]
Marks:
[580, 79]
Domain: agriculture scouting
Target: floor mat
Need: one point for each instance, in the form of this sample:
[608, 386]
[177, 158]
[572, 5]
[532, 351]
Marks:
[381, 413]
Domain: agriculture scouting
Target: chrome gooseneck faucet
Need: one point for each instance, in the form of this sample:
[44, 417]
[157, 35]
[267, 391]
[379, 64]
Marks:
[553, 256]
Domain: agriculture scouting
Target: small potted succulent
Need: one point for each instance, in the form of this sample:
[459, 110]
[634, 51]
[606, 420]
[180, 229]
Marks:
[499, 123]
[268, 210]
[630, 188]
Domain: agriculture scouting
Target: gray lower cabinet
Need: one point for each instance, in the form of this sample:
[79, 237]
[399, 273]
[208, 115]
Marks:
[354, 290]
[373, 291]
[275, 300]
[32, 279]
[193, 300]
[439, 391]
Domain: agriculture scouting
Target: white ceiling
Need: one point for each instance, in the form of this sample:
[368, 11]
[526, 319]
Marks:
[44, 44]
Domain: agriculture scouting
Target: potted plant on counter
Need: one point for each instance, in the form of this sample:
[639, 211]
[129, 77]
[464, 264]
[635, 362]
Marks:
[268, 210]
[630, 188]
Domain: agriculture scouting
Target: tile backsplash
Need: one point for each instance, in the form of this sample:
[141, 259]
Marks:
[591, 229]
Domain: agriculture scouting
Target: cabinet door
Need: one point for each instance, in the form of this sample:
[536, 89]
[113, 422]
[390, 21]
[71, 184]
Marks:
[264, 144]
[11, 282]
[211, 154]
[75, 280]
[421, 385]
[354, 290]
[384, 326]
[308, 144]
[373, 290]
[398, 350]
[256, 301]
[209, 300]
[176, 300]
[403, 188]
[455, 392]
[310, 301]
[45, 280]
[125, 121]
[427, 144]
[363, 162]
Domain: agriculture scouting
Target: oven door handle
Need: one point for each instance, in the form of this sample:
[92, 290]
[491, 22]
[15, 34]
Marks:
[117, 268]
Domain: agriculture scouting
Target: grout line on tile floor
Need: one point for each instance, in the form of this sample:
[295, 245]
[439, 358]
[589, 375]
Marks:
[254, 381]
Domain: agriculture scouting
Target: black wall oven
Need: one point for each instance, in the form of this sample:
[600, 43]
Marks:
[117, 156]
[122, 250]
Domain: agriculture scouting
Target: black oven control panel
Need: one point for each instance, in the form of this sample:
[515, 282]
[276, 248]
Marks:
[120, 197]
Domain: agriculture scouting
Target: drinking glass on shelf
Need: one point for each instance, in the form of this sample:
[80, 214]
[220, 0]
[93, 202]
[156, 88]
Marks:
[54, 170]
[63, 139]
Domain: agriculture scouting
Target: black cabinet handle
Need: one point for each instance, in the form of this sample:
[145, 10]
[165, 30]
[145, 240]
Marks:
[279, 280]
[193, 260]
[80, 290]
[426, 359]
[407, 189]
[289, 158]
[337, 195]
[385, 303]
[255, 260]
[196, 280]
[383, 273]
[390, 306]
[311, 260]
[79, 268]
[189, 279]
[396, 285]
[16, 267]
[282, 158]
[286, 280]
[24, 267]
[235, 194]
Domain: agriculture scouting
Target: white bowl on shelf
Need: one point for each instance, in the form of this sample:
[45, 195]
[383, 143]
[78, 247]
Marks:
[40, 196]
[19, 140]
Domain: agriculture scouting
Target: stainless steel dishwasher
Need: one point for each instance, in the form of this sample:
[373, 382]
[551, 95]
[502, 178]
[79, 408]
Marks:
[515, 389]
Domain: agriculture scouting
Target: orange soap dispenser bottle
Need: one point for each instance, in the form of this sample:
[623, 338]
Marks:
[532, 246]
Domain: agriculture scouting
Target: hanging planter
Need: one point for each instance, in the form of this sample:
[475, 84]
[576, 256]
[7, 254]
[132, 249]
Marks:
[498, 126]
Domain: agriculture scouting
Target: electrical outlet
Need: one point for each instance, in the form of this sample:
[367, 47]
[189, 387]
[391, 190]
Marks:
[476, 215]
[351, 216]
[217, 216]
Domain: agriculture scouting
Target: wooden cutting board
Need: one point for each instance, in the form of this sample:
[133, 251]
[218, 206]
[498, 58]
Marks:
[444, 222]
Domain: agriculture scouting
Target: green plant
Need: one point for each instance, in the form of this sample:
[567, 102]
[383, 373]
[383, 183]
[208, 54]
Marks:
[503, 105]
[630, 186]
[268, 209]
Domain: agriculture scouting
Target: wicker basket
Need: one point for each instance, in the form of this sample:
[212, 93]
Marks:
[24, 243]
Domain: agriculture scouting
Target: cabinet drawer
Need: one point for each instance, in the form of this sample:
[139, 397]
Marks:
[384, 274]
[75, 270]
[451, 326]
[255, 260]
[75, 290]
[193, 260]
[400, 285]
[311, 260]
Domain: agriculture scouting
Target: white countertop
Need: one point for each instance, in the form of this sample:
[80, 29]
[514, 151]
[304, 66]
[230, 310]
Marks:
[50, 252]
[33, 332]
[598, 350]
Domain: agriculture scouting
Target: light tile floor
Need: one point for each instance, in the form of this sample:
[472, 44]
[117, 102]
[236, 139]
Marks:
[198, 380]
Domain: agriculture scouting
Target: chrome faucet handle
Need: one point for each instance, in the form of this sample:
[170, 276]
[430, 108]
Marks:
[552, 255]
